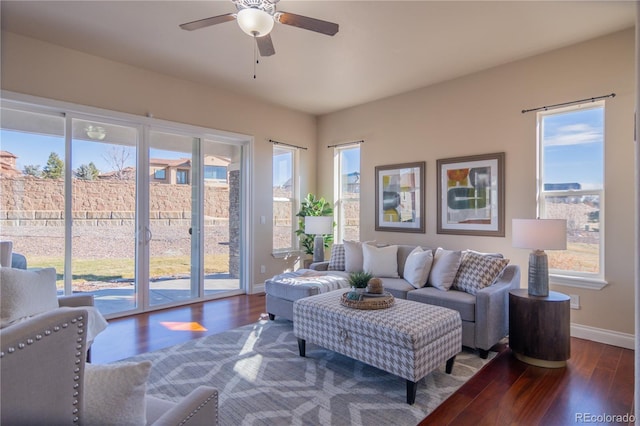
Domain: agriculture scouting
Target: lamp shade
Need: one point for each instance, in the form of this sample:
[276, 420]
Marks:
[539, 234]
[318, 225]
[255, 22]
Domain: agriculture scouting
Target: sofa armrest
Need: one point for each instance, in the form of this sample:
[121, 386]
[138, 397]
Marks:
[76, 300]
[200, 407]
[492, 308]
[320, 266]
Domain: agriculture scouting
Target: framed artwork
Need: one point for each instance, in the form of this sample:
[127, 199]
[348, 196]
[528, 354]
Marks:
[400, 197]
[471, 195]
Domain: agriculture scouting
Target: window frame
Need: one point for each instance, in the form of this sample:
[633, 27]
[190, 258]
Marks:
[182, 173]
[157, 172]
[294, 200]
[340, 200]
[562, 276]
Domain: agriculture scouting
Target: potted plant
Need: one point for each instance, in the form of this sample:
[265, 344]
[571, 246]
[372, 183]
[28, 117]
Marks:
[359, 280]
[312, 206]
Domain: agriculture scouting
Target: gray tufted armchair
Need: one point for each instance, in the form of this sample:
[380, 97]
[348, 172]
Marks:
[42, 368]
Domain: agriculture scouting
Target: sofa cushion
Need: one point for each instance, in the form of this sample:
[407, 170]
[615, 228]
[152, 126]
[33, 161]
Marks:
[336, 262]
[26, 293]
[417, 267]
[115, 393]
[444, 268]
[460, 301]
[380, 261]
[398, 287]
[478, 271]
[303, 283]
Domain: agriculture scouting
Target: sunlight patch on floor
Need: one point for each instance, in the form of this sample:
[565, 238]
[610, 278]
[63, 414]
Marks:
[182, 326]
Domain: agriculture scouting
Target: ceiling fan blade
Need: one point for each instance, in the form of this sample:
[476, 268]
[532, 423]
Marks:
[306, 23]
[201, 23]
[265, 45]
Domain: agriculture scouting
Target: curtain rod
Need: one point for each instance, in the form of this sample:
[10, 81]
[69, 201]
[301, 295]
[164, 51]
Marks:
[612, 95]
[286, 144]
[345, 143]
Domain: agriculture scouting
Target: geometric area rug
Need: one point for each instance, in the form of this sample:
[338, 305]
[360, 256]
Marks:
[262, 380]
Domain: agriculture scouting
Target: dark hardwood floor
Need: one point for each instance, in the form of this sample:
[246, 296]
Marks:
[598, 379]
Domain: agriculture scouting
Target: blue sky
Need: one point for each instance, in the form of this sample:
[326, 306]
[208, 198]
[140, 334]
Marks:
[574, 147]
[34, 149]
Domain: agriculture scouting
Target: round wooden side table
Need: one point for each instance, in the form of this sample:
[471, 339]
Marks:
[539, 328]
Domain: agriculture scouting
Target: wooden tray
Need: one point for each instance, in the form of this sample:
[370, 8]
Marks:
[383, 301]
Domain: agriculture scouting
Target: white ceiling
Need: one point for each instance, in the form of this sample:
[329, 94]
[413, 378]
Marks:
[383, 47]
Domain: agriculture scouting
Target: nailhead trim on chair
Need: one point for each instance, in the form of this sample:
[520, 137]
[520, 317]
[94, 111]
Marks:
[38, 337]
[199, 407]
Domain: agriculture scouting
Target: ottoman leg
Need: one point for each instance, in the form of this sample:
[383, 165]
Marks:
[449, 366]
[412, 388]
[302, 347]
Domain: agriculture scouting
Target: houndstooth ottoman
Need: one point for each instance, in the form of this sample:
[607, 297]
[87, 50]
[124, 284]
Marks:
[409, 339]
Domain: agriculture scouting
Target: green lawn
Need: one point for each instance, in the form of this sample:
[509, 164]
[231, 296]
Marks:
[113, 269]
[578, 257]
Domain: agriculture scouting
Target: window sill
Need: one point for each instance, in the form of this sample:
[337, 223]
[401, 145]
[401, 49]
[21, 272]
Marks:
[576, 281]
[286, 254]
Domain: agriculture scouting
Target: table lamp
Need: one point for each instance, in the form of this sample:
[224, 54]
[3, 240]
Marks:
[539, 235]
[318, 226]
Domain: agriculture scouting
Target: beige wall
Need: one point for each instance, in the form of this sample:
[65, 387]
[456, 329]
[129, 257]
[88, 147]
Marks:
[41, 69]
[481, 113]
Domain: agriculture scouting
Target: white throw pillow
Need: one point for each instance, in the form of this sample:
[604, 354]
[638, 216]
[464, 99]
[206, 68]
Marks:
[444, 268]
[380, 261]
[352, 256]
[417, 267]
[114, 394]
[26, 293]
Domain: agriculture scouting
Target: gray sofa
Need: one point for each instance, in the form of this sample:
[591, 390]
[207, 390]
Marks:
[485, 315]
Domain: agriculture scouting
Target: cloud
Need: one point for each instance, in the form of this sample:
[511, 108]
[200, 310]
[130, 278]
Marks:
[574, 134]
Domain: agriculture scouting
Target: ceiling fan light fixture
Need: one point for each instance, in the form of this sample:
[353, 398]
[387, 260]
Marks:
[96, 132]
[255, 22]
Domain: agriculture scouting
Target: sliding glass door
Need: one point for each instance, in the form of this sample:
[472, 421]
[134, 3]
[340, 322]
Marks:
[138, 216]
[103, 212]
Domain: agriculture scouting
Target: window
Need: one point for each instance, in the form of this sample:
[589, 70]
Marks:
[160, 174]
[571, 186]
[182, 177]
[284, 198]
[215, 172]
[347, 190]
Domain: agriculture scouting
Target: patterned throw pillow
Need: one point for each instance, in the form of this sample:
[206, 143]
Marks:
[478, 271]
[336, 263]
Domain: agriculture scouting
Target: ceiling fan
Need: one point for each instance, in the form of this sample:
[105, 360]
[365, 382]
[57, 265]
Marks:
[257, 17]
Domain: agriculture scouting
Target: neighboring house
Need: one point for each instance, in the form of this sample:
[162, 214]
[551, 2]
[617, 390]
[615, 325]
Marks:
[178, 172]
[128, 173]
[8, 164]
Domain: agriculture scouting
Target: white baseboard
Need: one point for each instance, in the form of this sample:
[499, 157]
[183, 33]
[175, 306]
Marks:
[257, 288]
[615, 338]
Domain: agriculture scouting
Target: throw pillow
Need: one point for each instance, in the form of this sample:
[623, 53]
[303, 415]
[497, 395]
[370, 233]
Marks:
[417, 267]
[444, 268]
[336, 262]
[26, 293]
[478, 271]
[380, 261]
[114, 394]
[353, 256]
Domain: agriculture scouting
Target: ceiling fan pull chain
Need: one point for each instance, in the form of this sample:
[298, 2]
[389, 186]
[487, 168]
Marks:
[255, 56]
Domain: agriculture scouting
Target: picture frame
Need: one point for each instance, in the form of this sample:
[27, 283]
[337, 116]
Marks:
[471, 195]
[400, 197]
